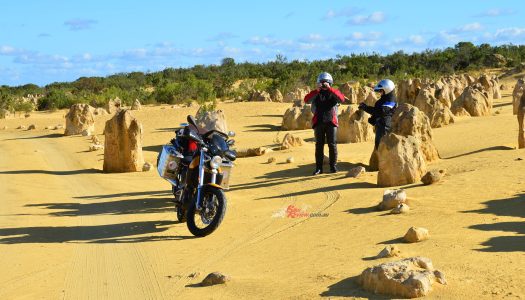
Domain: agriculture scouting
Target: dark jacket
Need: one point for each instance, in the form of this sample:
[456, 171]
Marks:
[382, 111]
[324, 105]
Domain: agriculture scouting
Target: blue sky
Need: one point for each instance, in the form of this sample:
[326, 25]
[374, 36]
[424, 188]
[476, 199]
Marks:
[47, 41]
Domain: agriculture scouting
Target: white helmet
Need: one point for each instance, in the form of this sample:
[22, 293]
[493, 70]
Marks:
[325, 77]
[386, 85]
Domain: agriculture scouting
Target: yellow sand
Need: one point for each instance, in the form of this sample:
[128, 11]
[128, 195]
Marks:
[68, 231]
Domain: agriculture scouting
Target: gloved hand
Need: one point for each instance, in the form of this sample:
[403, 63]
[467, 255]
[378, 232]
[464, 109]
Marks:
[361, 106]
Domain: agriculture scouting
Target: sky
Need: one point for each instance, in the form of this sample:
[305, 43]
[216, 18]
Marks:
[51, 41]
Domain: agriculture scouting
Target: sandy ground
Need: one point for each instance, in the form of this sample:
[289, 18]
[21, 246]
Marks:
[69, 231]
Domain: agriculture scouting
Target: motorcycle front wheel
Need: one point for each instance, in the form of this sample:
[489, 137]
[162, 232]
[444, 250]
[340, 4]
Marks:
[206, 220]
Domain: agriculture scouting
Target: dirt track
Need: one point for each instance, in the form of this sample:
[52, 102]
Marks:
[68, 231]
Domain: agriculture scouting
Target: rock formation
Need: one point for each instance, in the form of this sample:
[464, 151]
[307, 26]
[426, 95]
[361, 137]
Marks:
[212, 120]
[136, 105]
[516, 95]
[409, 278]
[401, 160]
[114, 105]
[436, 110]
[123, 144]
[79, 119]
[475, 100]
[410, 121]
[521, 125]
[354, 126]
[297, 118]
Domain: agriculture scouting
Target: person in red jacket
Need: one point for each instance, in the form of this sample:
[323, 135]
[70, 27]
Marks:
[324, 101]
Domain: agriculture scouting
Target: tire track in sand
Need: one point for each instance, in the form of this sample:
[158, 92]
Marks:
[99, 270]
[260, 234]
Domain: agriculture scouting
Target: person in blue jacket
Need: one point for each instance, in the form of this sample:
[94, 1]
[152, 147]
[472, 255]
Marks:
[383, 110]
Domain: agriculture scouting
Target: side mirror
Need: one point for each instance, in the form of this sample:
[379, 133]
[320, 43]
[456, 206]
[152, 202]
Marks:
[231, 142]
[231, 133]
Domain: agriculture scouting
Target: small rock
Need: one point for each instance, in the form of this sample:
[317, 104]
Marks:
[392, 198]
[95, 140]
[389, 251]
[440, 277]
[31, 127]
[290, 160]
[356, 172]
[402, 208]
[27, 115]
[48, 128]
[432, 177]
[416, 234]
[259, 151]
[290, 141]
[215, 278]
[194, 275]
[21, 127]
[95, 147]
[271, 160]
[147, 166]
[497, 112]
[519, 158]
[86, 132]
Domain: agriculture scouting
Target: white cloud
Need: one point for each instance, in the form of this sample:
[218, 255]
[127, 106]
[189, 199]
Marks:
[311, 38]
[268, 41]
[444, 39]
[468, 28]
[370, 36]
[496, 12]
[342, 13]
[7, 50]
[374, 18]
[222, 36]
[79, 24]
[507, 35]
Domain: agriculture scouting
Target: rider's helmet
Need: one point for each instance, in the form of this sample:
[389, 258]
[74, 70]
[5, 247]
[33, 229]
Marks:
[385, 85]
[325, 77]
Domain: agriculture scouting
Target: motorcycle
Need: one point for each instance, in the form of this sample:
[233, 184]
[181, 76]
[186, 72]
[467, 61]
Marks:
[198, 165]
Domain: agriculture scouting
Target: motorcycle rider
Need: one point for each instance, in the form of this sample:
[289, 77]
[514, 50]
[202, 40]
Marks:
[383, 109]
[324, 101]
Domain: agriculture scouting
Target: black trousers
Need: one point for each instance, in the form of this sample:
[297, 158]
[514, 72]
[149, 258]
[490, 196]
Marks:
[325, 132]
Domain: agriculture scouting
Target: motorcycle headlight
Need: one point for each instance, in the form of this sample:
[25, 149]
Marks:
[215, 162]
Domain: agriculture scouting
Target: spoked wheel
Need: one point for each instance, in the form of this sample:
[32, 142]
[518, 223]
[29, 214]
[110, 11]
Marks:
[204, 221]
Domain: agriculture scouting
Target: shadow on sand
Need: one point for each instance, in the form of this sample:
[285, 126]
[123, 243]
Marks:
[112, 233]
[301, 173]
[72, 172]
[494, 148]
[349, 288]
[511, 207]
[118, 207]
[47, 136]
[264, 128]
